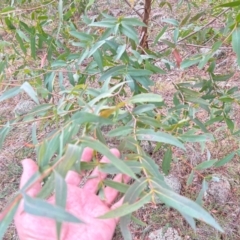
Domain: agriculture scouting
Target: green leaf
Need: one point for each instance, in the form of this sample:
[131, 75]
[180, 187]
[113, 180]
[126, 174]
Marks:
[189, 62]
[60, 190]
[21, 43]
[120, 50]
[143, 108]
[72, 156]
[7, 9]
[185, 20]
[112, 72]
[95, 47]
[152, 168]
[60, 197]
[222, 78]
[126, 208]
[120, 131]
[104, 24]
[58, 63]
[120, 187]
[152, 122]
[202, 192]
[196, 100]
[200, 124]
[184, 205]
[197, 138]
[82, 36]
[230, 124]
[138, 72]
[224, 160]
[197, 16]
[100, 136]
[6, 221]
[33, 47]
[230, 4]
[151, 135]
[154, 68]
[167, 159]
[98, 146]
[159, 35]
[30, 91]
[99, 59]
[3, 133]
[146, 97]
[133, 22]
[85, 117]
[189, 220]
[130, 197]
[49, 81]
[172, 21]
[10, 93]
[130, 32]
[190, 178]
[138, 222]
[34, 133]
[42, 208]
[206, 164]
[109, 168]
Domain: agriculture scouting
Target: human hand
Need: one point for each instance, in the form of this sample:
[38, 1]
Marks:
[81, 202]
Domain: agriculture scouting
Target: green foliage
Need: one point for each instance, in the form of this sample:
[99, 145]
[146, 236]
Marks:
[93, 74]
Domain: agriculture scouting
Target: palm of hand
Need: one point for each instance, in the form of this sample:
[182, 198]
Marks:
[83, 203]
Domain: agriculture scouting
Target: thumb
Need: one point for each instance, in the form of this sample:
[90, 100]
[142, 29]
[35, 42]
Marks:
[29, 169]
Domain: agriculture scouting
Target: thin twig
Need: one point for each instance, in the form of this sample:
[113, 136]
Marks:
[135, 10]
[200, 29]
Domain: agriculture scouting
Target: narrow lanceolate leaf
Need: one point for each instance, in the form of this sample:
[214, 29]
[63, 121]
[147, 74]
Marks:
[151, 135]
[184, 205]
[42, 208]
[224, 160]
[33, 47]
[197, 138]
[131, 196]
[120, 131]
[146, 97]
[3, 133]
[85, 117]
[60, 190]
[151, 167]
[230, 4]
[118, 163]
[167, 159]
[5, 222]
[10, 93]
[120, 187]
[190, 178]
[236, 43]
[60, 197]
[190, 221]
[30, 91]
[73, 155]
[206, 164]
[199, 199]
[126, 208]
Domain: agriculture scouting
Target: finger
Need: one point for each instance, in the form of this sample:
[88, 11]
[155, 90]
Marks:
[29, 169]
[96, 176]
[73, 178]
[87, 154]
[111, 193]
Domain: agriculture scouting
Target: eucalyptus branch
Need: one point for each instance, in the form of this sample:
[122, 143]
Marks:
[27, 9]
[200, 29]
